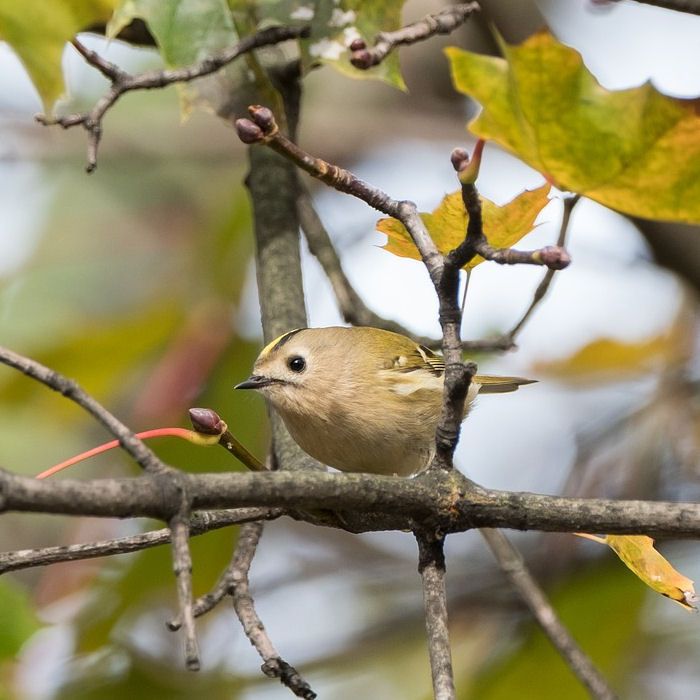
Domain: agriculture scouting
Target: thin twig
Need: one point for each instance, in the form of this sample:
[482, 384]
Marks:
[182, 567]
[350, 303]
[273, 664]
[544, 285]
[173, 485]
[142, 454]
[431, 566]
[123, 82]
[512, 564]
[691, 7]
[201, 523]
[443, 22]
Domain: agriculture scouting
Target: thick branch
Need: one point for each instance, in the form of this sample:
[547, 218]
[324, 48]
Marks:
[446, 498]
[443, 22]
[431, 566]
[512, 564]
[123, 82]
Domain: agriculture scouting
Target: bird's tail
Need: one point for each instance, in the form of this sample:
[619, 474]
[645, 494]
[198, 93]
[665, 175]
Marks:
[500, 385]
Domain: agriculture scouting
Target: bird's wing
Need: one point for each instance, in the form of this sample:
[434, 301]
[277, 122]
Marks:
[420, 359]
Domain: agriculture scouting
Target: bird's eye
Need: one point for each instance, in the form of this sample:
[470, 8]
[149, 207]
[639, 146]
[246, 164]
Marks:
[296, 363]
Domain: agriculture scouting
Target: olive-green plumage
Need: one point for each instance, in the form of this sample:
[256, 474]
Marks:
[360, 399]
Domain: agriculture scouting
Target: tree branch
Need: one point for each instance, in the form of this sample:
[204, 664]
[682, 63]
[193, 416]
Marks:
[445, 498]
[443, 22]
[123, 82]
[691, 7]
[512, 564]
[200, 523]
[350, 303]
[142, 454]
[273, 664]
[431, 566]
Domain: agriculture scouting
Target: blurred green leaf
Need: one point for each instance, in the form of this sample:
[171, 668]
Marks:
[334, 25]
[142, 678]
[19, 622]
[186, 31]
[635, 150]
[38, 31]
[600, 606]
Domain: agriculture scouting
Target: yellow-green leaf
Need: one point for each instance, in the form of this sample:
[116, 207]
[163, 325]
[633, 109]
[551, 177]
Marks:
[335, 25]
[604, 358]
[638, 554]
[504, 226]
[187, 31]
[635, 150]
[37, 30]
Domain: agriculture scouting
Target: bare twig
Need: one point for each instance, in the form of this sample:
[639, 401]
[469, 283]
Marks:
[475, 242]
[349, 301]
[691, 7]
[273, 664]
[201, 523]
[443, 22]
[544, 285]
[143, 455]
[123, 82]
[431, 566]
[175, 503]
[512, 564]
[182, 566]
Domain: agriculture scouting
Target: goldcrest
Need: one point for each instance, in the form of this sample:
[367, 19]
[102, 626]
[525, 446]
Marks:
[360, 399]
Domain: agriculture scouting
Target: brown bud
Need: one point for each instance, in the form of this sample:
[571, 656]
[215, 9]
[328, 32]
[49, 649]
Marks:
[362, 59]
[206, 421]
[554, 257]
[263, 117]
[459, 158]
[248, 132]
[358, 44]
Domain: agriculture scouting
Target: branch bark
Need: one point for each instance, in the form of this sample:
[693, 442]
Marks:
[431, 566]
[512, 564]
[445, 498]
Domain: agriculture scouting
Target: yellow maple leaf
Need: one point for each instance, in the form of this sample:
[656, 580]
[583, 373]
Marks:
[447, 224]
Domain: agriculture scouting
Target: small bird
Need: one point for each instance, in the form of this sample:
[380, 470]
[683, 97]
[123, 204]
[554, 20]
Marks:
[360, 399]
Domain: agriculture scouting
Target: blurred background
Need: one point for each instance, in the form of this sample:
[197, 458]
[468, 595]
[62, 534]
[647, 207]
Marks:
[138, 282]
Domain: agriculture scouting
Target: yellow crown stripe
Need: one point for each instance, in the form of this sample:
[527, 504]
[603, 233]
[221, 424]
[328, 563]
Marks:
[278, 342]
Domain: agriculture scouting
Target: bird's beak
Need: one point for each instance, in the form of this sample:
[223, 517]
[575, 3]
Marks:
[255, 381]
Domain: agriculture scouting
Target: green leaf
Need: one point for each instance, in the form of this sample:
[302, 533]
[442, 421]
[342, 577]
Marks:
[334, 25]
[186, 31]
[504, 226]
[635, 150]
[18, 619]
[37, 30]
[600, 607]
